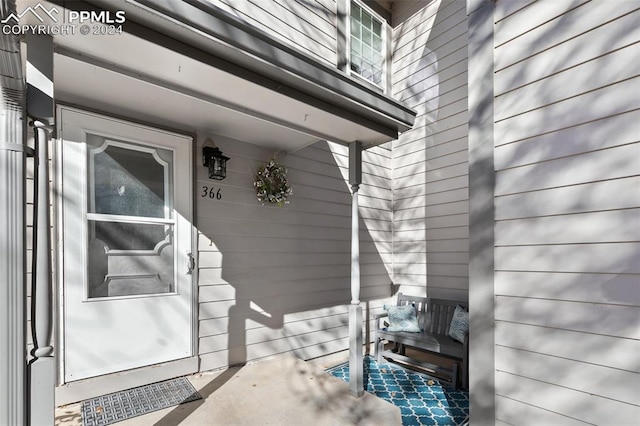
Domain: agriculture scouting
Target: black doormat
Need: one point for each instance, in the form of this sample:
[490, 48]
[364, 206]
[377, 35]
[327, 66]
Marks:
[118, 406]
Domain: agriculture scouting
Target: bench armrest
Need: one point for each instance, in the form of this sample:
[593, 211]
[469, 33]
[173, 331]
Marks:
[377, 318]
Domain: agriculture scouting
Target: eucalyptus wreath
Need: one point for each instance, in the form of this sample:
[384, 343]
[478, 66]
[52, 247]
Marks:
[271, 184]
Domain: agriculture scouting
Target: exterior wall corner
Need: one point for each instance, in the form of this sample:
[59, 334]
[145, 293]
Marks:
[481, 214]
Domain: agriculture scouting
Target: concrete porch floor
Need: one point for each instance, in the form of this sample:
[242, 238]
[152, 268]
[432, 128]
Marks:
[283, 390]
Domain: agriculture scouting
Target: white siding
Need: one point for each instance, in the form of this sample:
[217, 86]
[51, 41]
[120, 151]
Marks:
[567, 232]
[307, 25]
[275, 280]
[430, 190]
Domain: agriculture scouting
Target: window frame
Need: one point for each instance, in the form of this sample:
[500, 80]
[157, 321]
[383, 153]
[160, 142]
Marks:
[344, 45]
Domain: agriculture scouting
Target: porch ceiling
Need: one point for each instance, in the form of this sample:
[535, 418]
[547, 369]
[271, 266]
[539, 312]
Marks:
[141, 94]
[176, 82]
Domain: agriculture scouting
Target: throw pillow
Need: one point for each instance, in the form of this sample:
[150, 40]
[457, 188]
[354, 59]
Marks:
[403, 318]
[459, 324]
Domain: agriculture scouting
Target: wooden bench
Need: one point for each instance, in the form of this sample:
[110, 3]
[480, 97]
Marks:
[434, 318]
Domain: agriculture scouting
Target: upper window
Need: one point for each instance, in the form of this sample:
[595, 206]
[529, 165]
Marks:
[367, 47]
[367, 53]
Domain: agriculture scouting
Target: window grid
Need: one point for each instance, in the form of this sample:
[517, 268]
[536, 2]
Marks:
[367, 47]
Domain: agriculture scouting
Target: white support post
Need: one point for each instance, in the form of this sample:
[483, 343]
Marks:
[356, 363]
[12, 270]
[13, 154]
[42, 367]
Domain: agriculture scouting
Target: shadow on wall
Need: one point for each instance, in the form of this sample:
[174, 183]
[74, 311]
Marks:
[275, 280]
[314, 34]
[568, 217]
[431, 160]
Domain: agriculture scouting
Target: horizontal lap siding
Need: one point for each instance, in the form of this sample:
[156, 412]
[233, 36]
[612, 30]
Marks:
[567, 234]
[274, 280]
[309, 26]
[430, 162]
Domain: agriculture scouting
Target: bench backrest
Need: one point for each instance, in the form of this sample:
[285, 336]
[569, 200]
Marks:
[419, 303]
[434, 315]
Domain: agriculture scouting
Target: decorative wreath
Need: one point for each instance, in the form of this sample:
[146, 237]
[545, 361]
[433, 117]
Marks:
[271, 184]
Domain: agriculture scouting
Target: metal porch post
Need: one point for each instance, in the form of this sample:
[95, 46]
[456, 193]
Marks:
[13, 153]
[356, 366]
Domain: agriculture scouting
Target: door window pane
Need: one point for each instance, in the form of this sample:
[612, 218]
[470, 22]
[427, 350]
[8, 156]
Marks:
[129, 181]
[127, 259]
[131, 236]
[133, 256]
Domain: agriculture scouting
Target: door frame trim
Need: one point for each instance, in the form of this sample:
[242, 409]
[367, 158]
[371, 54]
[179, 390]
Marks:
[102, 385]
[125, 379]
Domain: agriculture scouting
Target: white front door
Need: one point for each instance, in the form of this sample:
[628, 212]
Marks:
[126, 236]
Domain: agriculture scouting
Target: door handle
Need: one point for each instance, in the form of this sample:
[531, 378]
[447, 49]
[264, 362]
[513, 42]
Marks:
[191, 263]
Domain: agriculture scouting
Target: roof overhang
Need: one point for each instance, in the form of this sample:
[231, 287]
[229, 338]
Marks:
[221, 75]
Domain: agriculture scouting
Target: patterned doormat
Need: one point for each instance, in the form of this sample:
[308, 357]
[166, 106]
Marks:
[421, 399]
[118, 406]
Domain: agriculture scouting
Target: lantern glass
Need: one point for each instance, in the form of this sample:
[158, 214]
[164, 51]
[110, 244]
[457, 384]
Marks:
[215, 161]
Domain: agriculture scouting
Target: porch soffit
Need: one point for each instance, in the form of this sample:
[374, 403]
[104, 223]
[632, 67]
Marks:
[225, 67]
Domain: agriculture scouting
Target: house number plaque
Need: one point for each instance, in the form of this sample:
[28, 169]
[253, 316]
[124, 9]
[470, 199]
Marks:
[211, 192]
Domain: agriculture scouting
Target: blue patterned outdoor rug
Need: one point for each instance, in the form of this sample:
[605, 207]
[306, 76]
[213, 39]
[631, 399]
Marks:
[421, 399]
[115, 407]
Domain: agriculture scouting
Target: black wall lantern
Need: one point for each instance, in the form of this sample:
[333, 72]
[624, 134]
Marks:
[216, 162]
